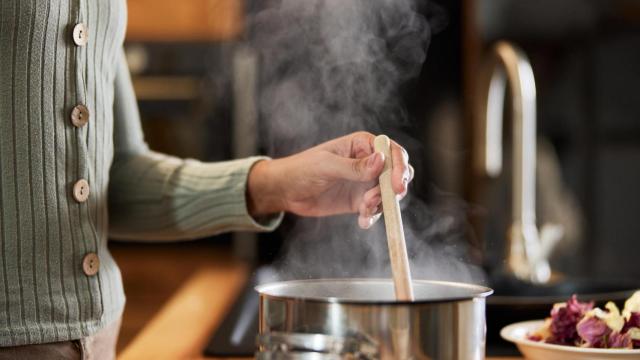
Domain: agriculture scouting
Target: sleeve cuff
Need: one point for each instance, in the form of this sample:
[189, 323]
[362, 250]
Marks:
[205, 180]
[262, 223]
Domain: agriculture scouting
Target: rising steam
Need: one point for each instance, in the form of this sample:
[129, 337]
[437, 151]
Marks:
[331, 67]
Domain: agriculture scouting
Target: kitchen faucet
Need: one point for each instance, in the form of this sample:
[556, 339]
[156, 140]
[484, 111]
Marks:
[527, 249]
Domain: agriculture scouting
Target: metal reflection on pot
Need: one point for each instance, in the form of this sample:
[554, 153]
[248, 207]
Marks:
[360, 319]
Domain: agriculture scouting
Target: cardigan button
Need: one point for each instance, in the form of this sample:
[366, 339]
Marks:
[79, 116]
[80, 34]
[81, 190]
[91, 264]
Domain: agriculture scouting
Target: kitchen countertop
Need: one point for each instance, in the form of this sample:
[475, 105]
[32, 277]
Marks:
[182, 327]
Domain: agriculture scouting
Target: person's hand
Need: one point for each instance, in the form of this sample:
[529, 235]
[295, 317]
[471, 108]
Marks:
[337, 177]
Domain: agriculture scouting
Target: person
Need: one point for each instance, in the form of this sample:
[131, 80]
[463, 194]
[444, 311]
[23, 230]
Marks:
[75, 170]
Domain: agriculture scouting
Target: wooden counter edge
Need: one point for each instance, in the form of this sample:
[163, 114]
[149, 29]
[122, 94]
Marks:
[182, 327]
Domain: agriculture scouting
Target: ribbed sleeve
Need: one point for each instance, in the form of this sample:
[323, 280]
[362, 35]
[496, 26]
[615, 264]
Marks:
[158, 197]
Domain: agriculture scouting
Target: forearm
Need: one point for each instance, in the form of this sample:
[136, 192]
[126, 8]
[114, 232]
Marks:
[157, 197]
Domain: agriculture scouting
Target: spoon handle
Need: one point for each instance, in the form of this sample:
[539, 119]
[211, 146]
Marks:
[393, 224]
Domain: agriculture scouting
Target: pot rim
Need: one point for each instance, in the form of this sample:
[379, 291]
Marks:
[478, 291]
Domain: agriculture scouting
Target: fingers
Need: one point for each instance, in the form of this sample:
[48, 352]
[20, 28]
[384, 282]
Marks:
[370, 208]
[371, 202]
[367, 222]
[357, 164]
[362, 144]
[402, 172]
[361, 170]
[355, 145]
[352, 158]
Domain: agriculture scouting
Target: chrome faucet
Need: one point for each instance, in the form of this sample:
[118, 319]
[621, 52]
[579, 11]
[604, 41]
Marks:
[528, 249]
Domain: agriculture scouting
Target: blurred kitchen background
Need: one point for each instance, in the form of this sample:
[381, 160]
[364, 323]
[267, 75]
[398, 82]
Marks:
[197, 75]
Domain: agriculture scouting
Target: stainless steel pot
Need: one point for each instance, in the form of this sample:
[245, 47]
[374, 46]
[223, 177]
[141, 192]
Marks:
[360, 319]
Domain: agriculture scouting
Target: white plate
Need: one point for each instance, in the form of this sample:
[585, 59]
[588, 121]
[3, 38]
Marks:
[534, 350]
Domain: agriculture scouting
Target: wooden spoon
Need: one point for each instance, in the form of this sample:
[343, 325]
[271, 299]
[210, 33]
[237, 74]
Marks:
[393, 224]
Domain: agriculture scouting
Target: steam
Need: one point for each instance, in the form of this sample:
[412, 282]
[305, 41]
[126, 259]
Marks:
[331, 67]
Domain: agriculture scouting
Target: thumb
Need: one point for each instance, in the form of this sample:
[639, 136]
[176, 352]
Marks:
[363, 169]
